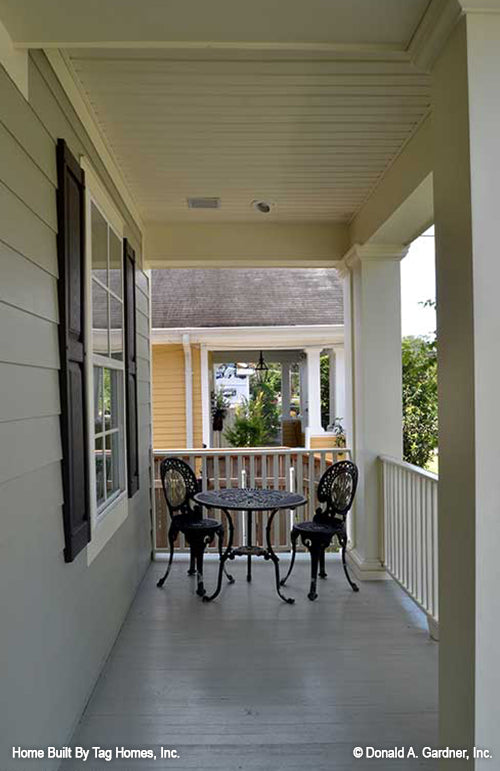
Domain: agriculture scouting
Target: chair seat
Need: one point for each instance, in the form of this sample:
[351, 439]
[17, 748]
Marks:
[199, 525]
[311, 528]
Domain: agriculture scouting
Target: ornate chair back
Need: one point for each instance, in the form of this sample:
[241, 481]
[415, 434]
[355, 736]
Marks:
[336, 489]
[179, 486]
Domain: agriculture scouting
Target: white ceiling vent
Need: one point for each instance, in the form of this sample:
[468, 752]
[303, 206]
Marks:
[204, 203]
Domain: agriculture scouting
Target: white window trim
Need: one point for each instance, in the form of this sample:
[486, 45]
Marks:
[103, 523]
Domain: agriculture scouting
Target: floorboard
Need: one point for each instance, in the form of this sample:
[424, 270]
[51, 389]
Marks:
[248, 682]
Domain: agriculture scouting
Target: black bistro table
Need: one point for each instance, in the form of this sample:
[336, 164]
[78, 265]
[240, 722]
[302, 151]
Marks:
[249, 500]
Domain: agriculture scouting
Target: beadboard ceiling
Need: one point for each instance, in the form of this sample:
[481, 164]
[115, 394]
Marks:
[306, 110]
[311, 137]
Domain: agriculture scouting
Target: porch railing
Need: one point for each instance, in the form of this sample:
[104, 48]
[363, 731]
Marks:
[410, 533]
[293, 469]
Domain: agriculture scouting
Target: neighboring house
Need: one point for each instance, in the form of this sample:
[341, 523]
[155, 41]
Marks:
[234, 382]
[205, 318]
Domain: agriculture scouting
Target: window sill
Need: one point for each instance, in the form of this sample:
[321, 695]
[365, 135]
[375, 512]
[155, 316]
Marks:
[107, 524]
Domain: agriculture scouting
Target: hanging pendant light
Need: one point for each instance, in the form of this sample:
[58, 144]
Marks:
[261, 369]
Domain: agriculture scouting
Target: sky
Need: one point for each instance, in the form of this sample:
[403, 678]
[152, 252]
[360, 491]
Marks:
[418, 284]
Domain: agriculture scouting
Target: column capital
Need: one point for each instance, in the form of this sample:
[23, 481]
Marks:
[372, 253]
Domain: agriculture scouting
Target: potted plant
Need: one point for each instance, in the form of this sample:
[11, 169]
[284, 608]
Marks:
[337, 428]
[220, 407]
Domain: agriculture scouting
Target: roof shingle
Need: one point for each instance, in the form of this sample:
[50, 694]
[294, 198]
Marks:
[246, 297]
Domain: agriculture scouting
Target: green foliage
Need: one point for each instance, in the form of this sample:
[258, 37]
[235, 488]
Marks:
[219, 402]
[420, 410]
[257, 421]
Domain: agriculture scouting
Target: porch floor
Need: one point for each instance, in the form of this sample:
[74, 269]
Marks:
[248, 682]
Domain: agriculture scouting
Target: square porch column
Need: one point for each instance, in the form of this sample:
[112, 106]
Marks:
[466, 176]
[373, 335]
[337, 384]
[303, 392]
[313, 373]
[285, 391]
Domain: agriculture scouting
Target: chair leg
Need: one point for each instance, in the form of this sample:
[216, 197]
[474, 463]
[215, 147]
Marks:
[223, 555]
[172, 535]
[314, 551]
[294, 537]
[192, 563]
[354, 586]
[322, 571]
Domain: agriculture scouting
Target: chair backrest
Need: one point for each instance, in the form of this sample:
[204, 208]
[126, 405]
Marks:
[179, 486]
[337, 488]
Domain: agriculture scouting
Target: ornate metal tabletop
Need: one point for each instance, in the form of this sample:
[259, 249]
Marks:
[249, 499]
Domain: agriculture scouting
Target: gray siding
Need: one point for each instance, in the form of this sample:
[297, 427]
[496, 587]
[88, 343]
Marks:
[59, 621]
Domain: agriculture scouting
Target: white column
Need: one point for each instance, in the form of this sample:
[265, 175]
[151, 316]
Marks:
[466, 176]
[374, 329]
[303, 393]
[188, 389]
[205, 395]
[314, 426]
[339, 386]
[285, 391]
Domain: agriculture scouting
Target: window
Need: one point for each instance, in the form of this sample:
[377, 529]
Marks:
[108, 398]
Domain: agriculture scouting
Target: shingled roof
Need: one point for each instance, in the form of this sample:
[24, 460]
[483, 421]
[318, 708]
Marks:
[241, 298]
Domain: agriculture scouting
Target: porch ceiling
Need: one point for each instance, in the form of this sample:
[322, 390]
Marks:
[304, 105]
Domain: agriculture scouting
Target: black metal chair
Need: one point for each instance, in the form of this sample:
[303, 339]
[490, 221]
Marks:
[179, 486]
[336, 489]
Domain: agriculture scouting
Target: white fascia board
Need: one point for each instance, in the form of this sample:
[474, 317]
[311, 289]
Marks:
[235, 338]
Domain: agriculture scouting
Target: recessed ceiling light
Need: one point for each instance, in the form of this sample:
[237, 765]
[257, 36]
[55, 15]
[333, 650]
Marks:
[264, 207]
[203, 203]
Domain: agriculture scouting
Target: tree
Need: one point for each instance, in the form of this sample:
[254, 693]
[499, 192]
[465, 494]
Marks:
[420, 412]
[255, 423]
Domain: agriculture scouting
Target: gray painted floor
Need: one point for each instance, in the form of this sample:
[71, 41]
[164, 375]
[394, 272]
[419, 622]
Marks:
[248, 682]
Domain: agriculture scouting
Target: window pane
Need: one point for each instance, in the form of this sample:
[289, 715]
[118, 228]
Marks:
[98, 396]
[99, 319]
[99, 246]
[112, 463]
[99, 471]
[116, 330]
[112, 398]
[115, 263]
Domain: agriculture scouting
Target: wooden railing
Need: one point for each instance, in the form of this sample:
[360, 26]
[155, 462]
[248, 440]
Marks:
[293, 469]
[410, 533]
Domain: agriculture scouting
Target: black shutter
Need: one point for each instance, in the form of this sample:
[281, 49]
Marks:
[71, 292]
[131, 369]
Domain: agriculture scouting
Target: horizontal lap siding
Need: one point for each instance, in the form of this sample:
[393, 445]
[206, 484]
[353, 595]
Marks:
[169, 397]
[63, 618]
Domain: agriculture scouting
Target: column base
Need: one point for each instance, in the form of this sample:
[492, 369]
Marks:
[366, 570]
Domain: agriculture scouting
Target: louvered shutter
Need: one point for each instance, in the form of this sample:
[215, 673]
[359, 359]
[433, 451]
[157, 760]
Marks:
[71, 292]
[131, 369]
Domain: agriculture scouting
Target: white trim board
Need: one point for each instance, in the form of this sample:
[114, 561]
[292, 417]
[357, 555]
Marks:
[235, 338]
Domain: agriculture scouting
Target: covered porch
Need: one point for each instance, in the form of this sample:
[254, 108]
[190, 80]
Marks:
[317, 135]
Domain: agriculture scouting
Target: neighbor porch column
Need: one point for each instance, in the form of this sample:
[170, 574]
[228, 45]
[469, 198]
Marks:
[205, 395]
[373, 326]
[303, 392]
[314, 426]
[466, 126]
[285, 391]
[337, 385]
